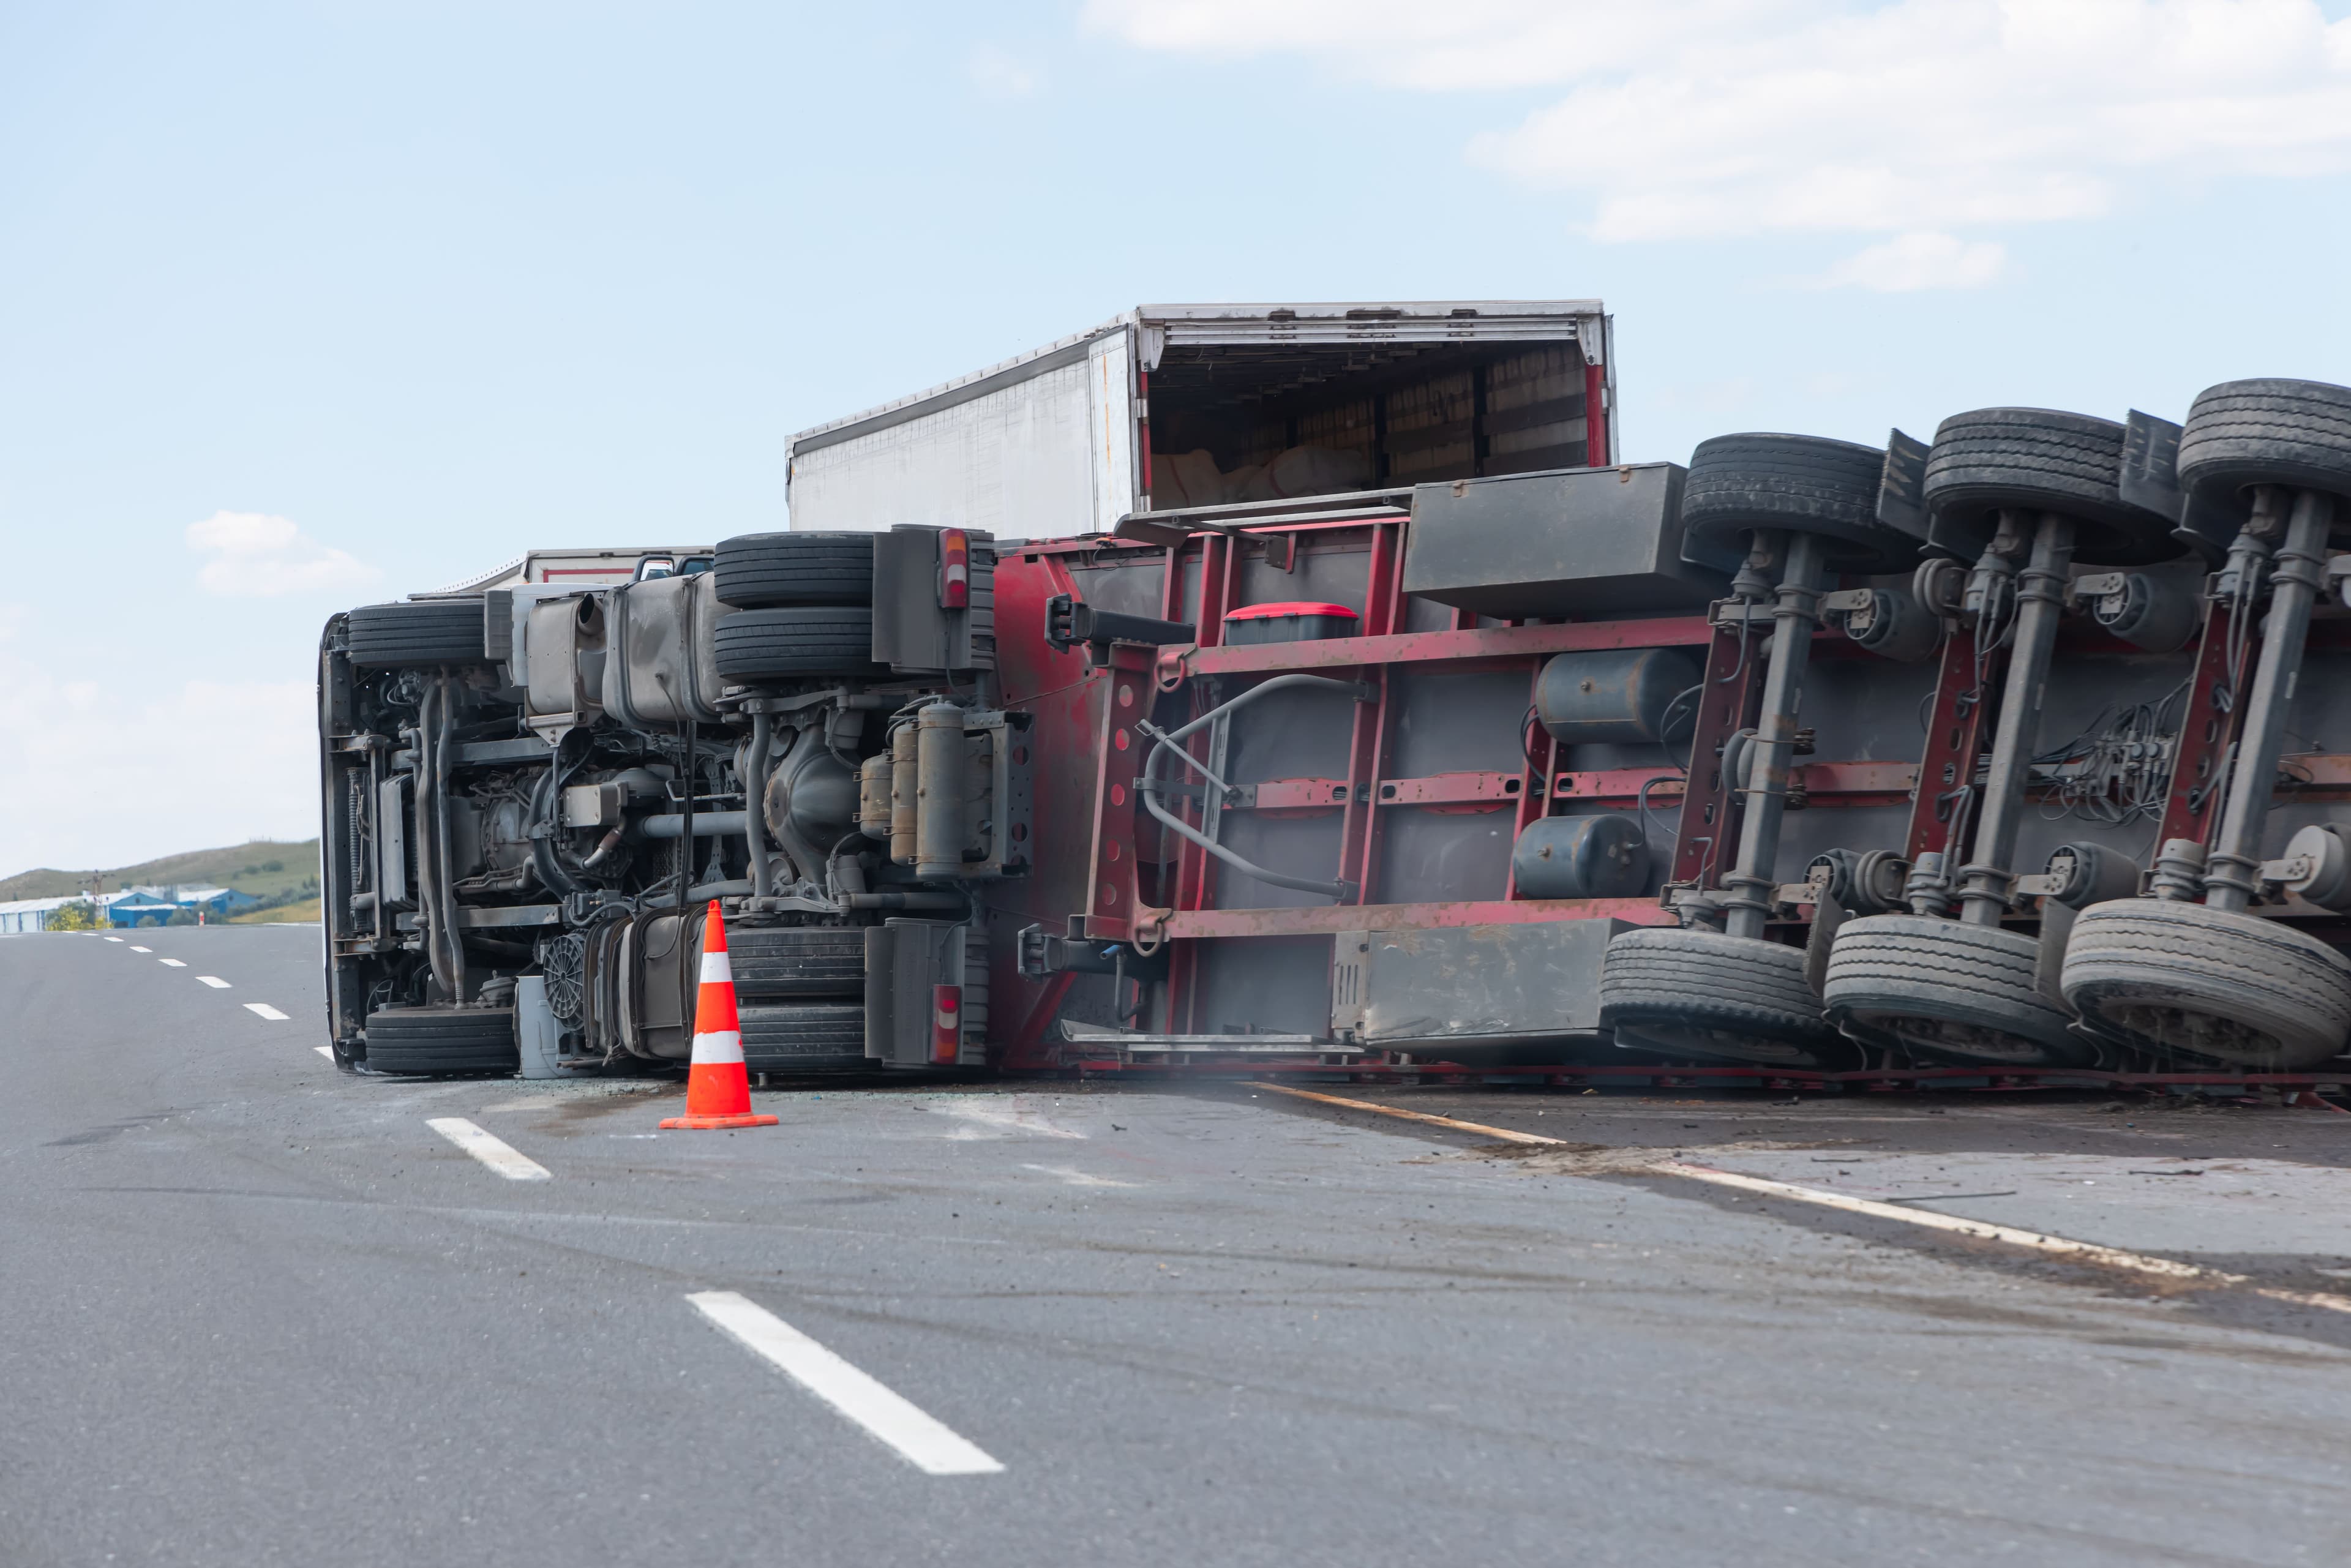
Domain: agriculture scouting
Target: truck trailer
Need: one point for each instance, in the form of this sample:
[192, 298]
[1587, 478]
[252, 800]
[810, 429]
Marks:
[1167, 406]
[1991, 756]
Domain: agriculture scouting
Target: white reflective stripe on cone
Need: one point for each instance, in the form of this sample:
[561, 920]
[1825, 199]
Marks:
[717, 1047]
[717, 970]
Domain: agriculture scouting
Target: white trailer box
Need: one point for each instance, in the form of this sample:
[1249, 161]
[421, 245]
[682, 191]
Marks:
[1170, 405]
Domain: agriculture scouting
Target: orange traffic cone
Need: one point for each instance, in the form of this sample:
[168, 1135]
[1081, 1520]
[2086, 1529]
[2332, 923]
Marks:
[718, 1090]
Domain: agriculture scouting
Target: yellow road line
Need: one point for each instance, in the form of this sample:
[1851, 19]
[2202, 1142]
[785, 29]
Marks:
[2033, 1241]
[1504, 1134]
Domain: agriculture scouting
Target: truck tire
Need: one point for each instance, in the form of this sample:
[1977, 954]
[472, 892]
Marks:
[1801, 483]
[795, 643]
[417, 632]
[2267, 431]
[1949, 990]
[767, 571]
[2192, 981]
[805, 1037]
[775, 963]
[1706, 994]
[2040, 460]
[442, 1040]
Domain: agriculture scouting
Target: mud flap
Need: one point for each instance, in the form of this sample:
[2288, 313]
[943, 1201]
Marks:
[916, 993]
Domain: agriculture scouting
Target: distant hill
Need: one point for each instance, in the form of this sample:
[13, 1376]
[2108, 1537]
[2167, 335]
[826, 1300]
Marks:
[262, 868]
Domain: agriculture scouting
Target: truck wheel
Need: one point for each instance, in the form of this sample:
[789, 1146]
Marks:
[417, 631]
[1943, 988]
[1702, 993]
[805, 1037]
[2267, 431]
[780, 963]
[442, 1040]
[1801, 483]
[2039, 460]
[2207, 983]
[764, 572]
[795, 643]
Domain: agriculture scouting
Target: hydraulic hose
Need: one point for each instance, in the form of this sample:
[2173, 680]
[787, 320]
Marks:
[1165, 741]
[546, 801]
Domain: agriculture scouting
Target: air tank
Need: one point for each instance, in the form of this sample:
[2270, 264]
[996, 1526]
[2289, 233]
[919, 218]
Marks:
[1582, 857]
[1620, 696]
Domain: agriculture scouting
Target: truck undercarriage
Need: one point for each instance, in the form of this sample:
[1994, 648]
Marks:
[1988, 759]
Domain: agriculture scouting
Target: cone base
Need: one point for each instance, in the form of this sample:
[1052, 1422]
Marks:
[709, 1122]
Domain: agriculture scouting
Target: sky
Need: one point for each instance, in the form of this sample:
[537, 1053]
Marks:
[314, 304]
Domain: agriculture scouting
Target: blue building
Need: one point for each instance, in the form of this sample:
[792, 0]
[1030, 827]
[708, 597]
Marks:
[155, 905]
[139, 906]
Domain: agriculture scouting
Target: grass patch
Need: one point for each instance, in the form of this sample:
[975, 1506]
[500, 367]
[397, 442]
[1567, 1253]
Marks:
[306, 911]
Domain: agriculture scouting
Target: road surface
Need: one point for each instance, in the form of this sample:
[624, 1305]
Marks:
[259, 1311]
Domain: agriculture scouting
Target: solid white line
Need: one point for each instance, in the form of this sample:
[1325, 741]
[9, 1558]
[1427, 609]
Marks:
[491, 1150]
[272, 1014]
[2086, 1251]
[170, 963]
[215, 981]
[325, 1050]
[933, 1448]
[137, 949]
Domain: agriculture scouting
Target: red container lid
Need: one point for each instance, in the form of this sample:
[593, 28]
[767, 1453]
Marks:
[1288, 607]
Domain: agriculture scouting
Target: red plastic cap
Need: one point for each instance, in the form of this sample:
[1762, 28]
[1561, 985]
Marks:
[1288, 607]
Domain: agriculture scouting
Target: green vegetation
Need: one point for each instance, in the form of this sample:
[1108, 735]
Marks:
[77, 916]
[265, 868]
[305, 910]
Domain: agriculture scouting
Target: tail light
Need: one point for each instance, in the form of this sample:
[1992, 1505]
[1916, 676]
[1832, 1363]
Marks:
[946, 1025]
[955, 569]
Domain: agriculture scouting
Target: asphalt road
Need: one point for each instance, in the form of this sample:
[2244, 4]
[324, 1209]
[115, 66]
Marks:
[258, 1310]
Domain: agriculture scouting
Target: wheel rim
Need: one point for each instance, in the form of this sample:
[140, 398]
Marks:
[1967, 1042]
[1681, 1037]
[2178, 1026]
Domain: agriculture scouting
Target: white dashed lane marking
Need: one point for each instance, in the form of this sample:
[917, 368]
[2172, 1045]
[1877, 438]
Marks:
[215, 981]
[490, 1149]
[266, 1010]
[170, 963]
[1075, 1177]
[138, 949]
[118, 938]
[932, 1447]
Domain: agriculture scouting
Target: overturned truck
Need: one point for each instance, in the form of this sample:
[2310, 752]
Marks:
[2002, 754]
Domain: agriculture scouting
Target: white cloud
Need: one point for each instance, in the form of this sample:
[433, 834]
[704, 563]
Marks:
[1919, 260]
[999, 73]
[259, 555]
[83, 783]
[1686, 117]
